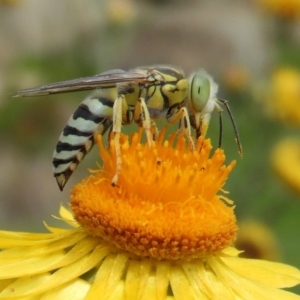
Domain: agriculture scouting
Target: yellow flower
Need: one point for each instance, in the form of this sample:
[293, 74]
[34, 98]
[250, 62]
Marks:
[236, 78]
[289, 9]
[10, 2]
[159, 210]
[257, 241]
[163, 233]
[283, 96]
[286, 161]
[120, 12]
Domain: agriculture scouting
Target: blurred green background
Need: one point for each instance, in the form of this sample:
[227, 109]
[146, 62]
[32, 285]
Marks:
[242, 44]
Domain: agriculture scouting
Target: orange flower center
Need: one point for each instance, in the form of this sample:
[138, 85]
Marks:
[165, 205]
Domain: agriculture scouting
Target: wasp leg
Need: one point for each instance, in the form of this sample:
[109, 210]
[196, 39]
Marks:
[119, 105]
[154, 130]
[204, 123]
[142, 117]
[220, 111]
[184, 124]
[109, 136]
[201, 128]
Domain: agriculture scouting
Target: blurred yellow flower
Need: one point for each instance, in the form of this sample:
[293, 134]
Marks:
[257, 241]
[286, 161]
[10, 2]
[236, 78]
[289, 9]
[120, 12]
[283, 96]
[163, 233]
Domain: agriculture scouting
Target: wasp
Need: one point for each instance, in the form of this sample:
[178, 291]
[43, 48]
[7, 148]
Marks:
[142, 95]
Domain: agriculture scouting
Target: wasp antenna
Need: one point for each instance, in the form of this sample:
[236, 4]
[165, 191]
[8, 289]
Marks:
[237, 136]
[220, 128]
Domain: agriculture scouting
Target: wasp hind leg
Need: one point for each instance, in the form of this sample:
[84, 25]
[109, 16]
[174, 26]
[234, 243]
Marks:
[118, 107]
[142, 117]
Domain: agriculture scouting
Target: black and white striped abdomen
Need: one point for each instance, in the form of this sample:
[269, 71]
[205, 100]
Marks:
[92, 117]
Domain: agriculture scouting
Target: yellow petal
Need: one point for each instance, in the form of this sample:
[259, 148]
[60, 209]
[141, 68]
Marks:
[181, 287]
[39, 250]
[150, 289]
[18, 239]
[23, 287]
[32, 285]
[245, 288]
[108, 276]
[5, 282]
[23, 266]
[162, 279]
[29, 266]
[136, 278]
[230, 251]
[118, 293]
[56, 230]
[207, 281]
[66, 214]
[271, 273]
[75, 290]
[132, 281]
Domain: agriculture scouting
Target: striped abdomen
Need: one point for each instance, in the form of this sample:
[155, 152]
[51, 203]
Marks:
[92, 117]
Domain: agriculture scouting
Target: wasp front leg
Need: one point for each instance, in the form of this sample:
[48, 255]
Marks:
[182, 116]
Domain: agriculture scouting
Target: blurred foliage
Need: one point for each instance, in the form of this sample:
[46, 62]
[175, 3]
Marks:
[37, 115]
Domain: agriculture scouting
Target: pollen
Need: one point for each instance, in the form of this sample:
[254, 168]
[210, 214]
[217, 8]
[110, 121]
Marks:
[166, 205]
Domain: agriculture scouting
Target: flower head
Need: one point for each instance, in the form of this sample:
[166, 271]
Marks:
[166, 205]
[163, 233]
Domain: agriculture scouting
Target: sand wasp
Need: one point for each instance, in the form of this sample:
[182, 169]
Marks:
[141, 95]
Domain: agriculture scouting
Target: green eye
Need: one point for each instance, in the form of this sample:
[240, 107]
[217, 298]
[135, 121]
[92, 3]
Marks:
[200, 90]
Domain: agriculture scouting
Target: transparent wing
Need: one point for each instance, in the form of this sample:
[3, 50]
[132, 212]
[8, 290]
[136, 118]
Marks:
[103, 80]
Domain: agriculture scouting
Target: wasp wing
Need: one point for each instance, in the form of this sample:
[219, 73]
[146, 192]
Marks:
[103, 80]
